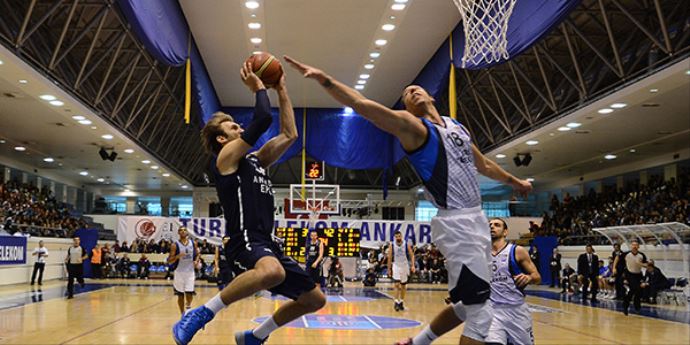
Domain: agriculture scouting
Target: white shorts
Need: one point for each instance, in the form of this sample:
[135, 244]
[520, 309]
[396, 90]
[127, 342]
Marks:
[183, 282]
[464, 239]
[401, 273]
[511, 325]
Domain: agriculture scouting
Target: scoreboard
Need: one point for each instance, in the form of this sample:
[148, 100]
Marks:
[341, 242]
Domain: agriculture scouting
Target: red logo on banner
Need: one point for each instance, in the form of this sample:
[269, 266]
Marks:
[145, 228]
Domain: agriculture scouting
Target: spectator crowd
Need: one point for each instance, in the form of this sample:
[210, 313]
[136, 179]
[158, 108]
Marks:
[429, 262]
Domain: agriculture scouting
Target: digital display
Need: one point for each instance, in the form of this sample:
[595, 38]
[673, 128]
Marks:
[341, 242]
[314, 171]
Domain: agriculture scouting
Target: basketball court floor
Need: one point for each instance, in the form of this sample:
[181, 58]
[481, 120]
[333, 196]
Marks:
[142, 312]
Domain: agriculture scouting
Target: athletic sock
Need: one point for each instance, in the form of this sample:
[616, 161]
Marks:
[425, 337]
[215, 304]
[265, 328]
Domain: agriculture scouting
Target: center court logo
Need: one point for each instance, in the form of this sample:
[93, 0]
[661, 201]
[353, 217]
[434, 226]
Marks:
[145, 228]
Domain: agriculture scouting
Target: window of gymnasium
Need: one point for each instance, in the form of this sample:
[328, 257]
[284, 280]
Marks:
[181, 206]
[116, 204]
[149, 205]
[496, 209]
[425, 211]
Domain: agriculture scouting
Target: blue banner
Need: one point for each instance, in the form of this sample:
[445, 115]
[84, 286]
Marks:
[12, 250]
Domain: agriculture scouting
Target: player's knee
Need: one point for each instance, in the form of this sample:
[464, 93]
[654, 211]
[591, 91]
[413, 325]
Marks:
[272, 274]
[477, 319]
[317, 302]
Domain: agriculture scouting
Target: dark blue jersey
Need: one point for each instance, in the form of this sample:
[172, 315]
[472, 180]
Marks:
[247, 199]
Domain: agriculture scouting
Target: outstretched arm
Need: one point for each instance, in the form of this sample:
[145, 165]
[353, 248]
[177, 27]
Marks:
[532, 276]
[405, 126]
[492, 170]
[274, 148]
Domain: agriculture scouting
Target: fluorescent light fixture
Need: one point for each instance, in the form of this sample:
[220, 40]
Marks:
[48, 159]
[610, 156]
[619, 105]
[374, 55]
[47, 97]
[1, 62]
[184, 186]
[687, 72]
[500, 156]
[78, 117]
[84, 173]
[146, 161]
[388, 27]
[101, 180]
[23, 81]
[2, 141]
[254, 26]
[653, 90]
[361, 82]
[348, 110]
[154, 167]
[85, 122]
[20, 148]
[107, 136]
[94, 127]
[364, 76]
[564, 128]
[129, 151]
[56, 103]
[401, 1]
[369, 66]
[532, 142]
[633, 150]
[530, 179]
[398, 7]
[256, 40]
[127, 191]
[380, 42]
[359, 87]
[573, 124]
[605, 111]
[166, 175]
[252, 5]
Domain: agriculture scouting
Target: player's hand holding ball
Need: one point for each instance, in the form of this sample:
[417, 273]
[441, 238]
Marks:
[250, 79]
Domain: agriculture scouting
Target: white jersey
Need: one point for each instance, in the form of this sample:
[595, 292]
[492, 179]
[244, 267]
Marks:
[186, 263]
[447, 156]
[400, 254]
[504, 266]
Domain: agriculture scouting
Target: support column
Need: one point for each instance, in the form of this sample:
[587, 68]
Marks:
[165, 206]
[131, 205]
[6, 175]
[25, 177]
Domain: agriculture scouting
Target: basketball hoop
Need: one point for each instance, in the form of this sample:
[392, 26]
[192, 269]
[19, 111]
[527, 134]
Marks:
[485, 27]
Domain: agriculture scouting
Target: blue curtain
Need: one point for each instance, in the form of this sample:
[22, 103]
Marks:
[88, 239]
[162, 28]
[545, 245]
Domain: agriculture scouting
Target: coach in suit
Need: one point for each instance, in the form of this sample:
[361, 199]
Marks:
[587, 271]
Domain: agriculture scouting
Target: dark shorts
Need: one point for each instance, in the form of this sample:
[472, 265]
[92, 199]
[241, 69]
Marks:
[225, 275]
[243, 258]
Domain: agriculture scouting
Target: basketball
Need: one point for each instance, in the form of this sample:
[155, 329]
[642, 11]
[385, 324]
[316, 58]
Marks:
[266, 67]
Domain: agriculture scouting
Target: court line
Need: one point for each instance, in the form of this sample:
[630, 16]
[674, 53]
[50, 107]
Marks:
[372, 322]
[304, 320]
[115, 321]
[342, 298]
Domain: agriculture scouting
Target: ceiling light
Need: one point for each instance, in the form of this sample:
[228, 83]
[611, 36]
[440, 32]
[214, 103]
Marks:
[619, 105]
[633, 150]
[154, 167]
[500, 156]
[23, 81]
[380, 43]
[78, 117]
[129, 151]
[184, 186]
[257, 52]
[359, 87]
[531, 142]
[84, 173]
[687, 72]
[361, 82]
[2, 141]
[348, 110]
[48, 159]
[254, 26]
[107, 136]
[574, 124]
[398, 7]
[85, 122]
[255, 40]
[530, 179]
[101, 180]
[363, 76]
[374, 54]
[388, 27]
[564, 128]
[653, 90]
[369, 66]
[610, 156]
[47, 97]
[94, 127]
[605, 111]
[401, 1]
[1, 62]
[20, 148]
[146, 161]
[252, 5]
[127, 191]
[166, 175]
[57, 103]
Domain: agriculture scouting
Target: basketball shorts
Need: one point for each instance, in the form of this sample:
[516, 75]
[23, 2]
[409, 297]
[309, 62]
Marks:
[243, 258]
[183, 282]
[401, 272]
[511, 325]
[464, 238]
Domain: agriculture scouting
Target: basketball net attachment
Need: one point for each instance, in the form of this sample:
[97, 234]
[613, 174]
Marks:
[485, 27]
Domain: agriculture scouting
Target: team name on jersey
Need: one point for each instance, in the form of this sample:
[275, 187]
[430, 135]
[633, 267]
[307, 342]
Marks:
[265, 185]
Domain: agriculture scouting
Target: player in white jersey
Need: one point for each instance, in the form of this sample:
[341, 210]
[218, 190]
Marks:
[443, 155]
[400, 262]
[184, 256]
[512, 271]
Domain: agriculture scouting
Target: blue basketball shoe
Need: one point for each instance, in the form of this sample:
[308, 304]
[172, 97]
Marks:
[192, 321]
[248, 338]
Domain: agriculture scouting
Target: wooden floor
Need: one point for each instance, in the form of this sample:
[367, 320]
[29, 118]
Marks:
[142, 312]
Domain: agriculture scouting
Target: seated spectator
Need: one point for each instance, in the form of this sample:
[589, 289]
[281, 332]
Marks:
[606, 279]
[653, 281]
[370, 277]
[424, 272]
[335, 273]
[568, 279]
[143, 267]
[435, 269]
[124, 248]
[123, 266]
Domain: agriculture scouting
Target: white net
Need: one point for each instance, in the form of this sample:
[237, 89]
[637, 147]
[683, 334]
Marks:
[485, 26]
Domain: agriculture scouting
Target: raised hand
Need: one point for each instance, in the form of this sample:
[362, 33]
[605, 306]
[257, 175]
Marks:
[250, 79]
[523, 187]
[306, 70]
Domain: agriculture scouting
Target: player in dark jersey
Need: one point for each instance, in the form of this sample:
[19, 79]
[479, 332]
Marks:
[221, 267]
[441, 151]
[246, 194]
[314, 256]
